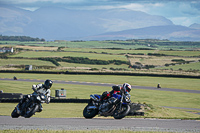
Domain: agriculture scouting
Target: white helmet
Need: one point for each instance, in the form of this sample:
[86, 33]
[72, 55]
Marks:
[126, 87]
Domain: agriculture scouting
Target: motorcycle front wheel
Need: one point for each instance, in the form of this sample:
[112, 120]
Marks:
[121, 113]
[30, 110]
[89, 113]
[14, 114]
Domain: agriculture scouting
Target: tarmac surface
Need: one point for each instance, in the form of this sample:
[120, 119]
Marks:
[132, 124]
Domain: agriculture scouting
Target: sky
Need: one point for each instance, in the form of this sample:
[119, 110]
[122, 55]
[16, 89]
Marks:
[180, 12]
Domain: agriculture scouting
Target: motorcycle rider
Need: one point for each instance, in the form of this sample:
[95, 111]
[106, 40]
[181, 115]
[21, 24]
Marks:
[41, 88]
[125, 89]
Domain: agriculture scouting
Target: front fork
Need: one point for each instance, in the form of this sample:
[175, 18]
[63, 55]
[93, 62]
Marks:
[121, 102]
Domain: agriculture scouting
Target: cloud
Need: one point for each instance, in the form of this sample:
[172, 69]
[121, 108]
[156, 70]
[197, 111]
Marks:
[142, 7]
[179, 11]
[34, 1]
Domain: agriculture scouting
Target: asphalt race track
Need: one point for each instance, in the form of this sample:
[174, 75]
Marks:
[170, 125]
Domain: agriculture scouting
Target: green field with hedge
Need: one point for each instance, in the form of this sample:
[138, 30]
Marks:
[134, 56]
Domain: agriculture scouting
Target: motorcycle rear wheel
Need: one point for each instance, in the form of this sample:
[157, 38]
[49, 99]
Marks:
[89, 114]
[119, 114]
[14, 114]
[31, 111]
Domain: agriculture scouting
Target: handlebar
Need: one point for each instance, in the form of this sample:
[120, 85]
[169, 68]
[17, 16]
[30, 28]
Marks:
[34, 89]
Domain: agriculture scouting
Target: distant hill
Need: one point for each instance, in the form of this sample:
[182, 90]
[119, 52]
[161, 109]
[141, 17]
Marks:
[171, 32]
[56, 23]
[60, 23]
[195, 26]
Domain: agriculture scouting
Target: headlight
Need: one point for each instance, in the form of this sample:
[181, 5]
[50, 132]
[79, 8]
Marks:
[43, 97]
[127, 98]
[38, 98]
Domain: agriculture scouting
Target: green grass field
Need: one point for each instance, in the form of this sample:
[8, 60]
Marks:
[180, 53]
[186, 67]
[105, 50]
[78, 66]
[11, 62]
[158, 61]
[108, 44]
[75, 110]
[33, 54]
[173, 99]
[166, 82]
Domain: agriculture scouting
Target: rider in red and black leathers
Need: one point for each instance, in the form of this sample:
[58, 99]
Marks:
[125, 89]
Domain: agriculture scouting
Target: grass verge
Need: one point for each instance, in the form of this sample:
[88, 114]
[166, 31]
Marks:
[72, 110]
[166, 82]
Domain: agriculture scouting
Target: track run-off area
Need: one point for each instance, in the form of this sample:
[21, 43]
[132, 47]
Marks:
[103, 84]
[109, 85]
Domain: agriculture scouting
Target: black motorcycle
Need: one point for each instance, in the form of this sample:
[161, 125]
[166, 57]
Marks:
[118, 110]
[30, 106]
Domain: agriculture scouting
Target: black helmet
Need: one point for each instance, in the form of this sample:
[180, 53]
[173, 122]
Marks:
[126, 87]
[47, 84]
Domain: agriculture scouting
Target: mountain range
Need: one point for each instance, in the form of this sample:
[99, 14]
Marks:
[57, 23]
[170, 32]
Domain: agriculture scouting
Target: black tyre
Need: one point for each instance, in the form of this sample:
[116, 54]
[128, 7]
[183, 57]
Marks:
[14, 114]
[31, 110]
[89, 113]
[119, 114]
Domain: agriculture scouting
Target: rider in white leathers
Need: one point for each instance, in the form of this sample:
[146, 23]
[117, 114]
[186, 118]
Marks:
[41, 88]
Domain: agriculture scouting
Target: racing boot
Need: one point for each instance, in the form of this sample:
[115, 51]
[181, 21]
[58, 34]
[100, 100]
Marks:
[18, 109]
[40, 108]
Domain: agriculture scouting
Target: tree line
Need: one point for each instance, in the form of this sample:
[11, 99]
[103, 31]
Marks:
[19, 38]
[83, 60]
[154, 42]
